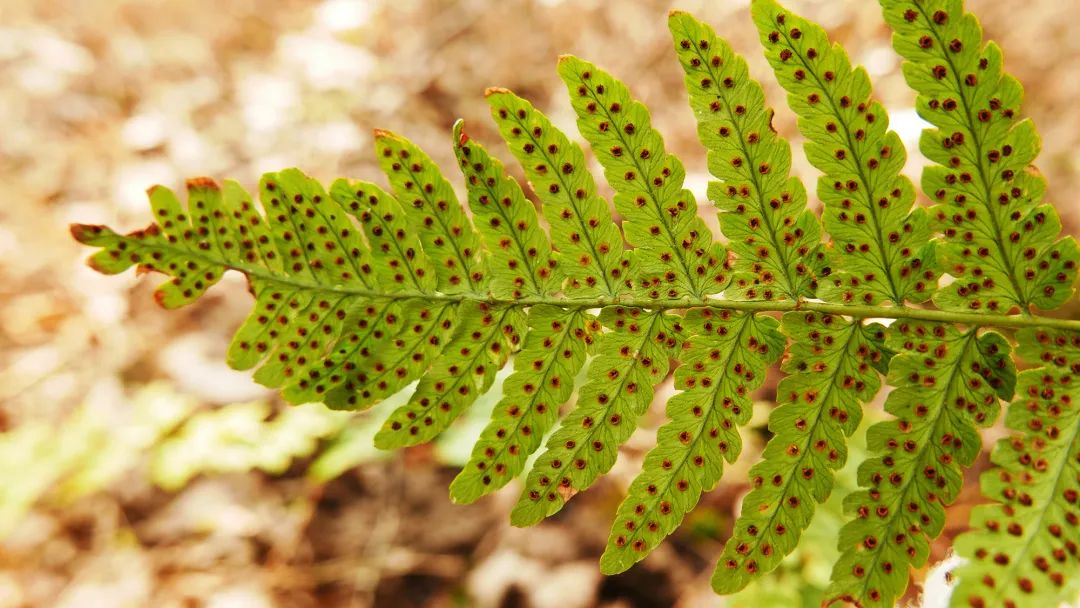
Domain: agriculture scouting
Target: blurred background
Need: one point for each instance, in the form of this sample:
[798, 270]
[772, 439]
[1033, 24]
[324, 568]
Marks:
[136, 469]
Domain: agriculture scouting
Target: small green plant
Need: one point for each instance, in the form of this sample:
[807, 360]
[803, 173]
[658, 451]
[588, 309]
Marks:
[360, 292]
[85, 452]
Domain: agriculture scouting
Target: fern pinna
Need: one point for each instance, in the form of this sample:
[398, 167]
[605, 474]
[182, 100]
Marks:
[361, 291]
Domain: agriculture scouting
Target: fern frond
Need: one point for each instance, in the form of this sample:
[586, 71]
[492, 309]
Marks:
[833, 367]
[590, 246]
[948, 383]
[543, 379]
[447, 234]
[521, 262]
[868, 210]
[1000, 240]
[631, 360]
[361, 292]
[722, 362]
[776, 239]
[1023, 550]
[675, 255]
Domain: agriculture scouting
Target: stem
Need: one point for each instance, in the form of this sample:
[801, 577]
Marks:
[970, 319]
[850, 310]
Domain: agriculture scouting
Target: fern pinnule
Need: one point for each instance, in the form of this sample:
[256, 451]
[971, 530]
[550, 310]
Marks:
[1023, 548]
[403, 264]
[632, 358]
[240, 216]
[832, 367]
[367, 373]
[868, 203]
[589, 244]
[448, 236]
[723, 361]
[370, 369]
[479, 347]
[775, 238]
[675, 255]
[554, 351]
[1000, 241]
[520, 262]
[948, 384]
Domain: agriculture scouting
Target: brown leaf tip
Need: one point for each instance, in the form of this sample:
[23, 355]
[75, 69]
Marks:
[488, 92]
[202, 183]
[459, 130]
[85, 233]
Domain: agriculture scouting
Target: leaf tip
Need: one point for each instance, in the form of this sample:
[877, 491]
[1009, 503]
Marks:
[492, 91]
[202, 183]
[567, 59]
[522, 517]
[85, 233]
[383, 134]
[458, 493]
[159, 298]
[724, 584]
[610, 565]
[460, 136]
[96, 266]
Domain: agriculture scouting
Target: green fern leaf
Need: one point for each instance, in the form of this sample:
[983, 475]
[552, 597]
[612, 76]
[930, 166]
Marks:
[1000, 241]
[1023, 551]
[833, 370]
[675, 255]
[868, 203]
[448, 236]
[372, 370]
[631, 360]
[360, 293]
[480, 347]
[1048, 348]
[948, 383]
[776, 239]
[296, 321]
[403, 264]
[316, 241]
[521, 259]
[764, 213]
[367, 328]
[723, 361]
[543, 379]
[367, 371]
[590, 246]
